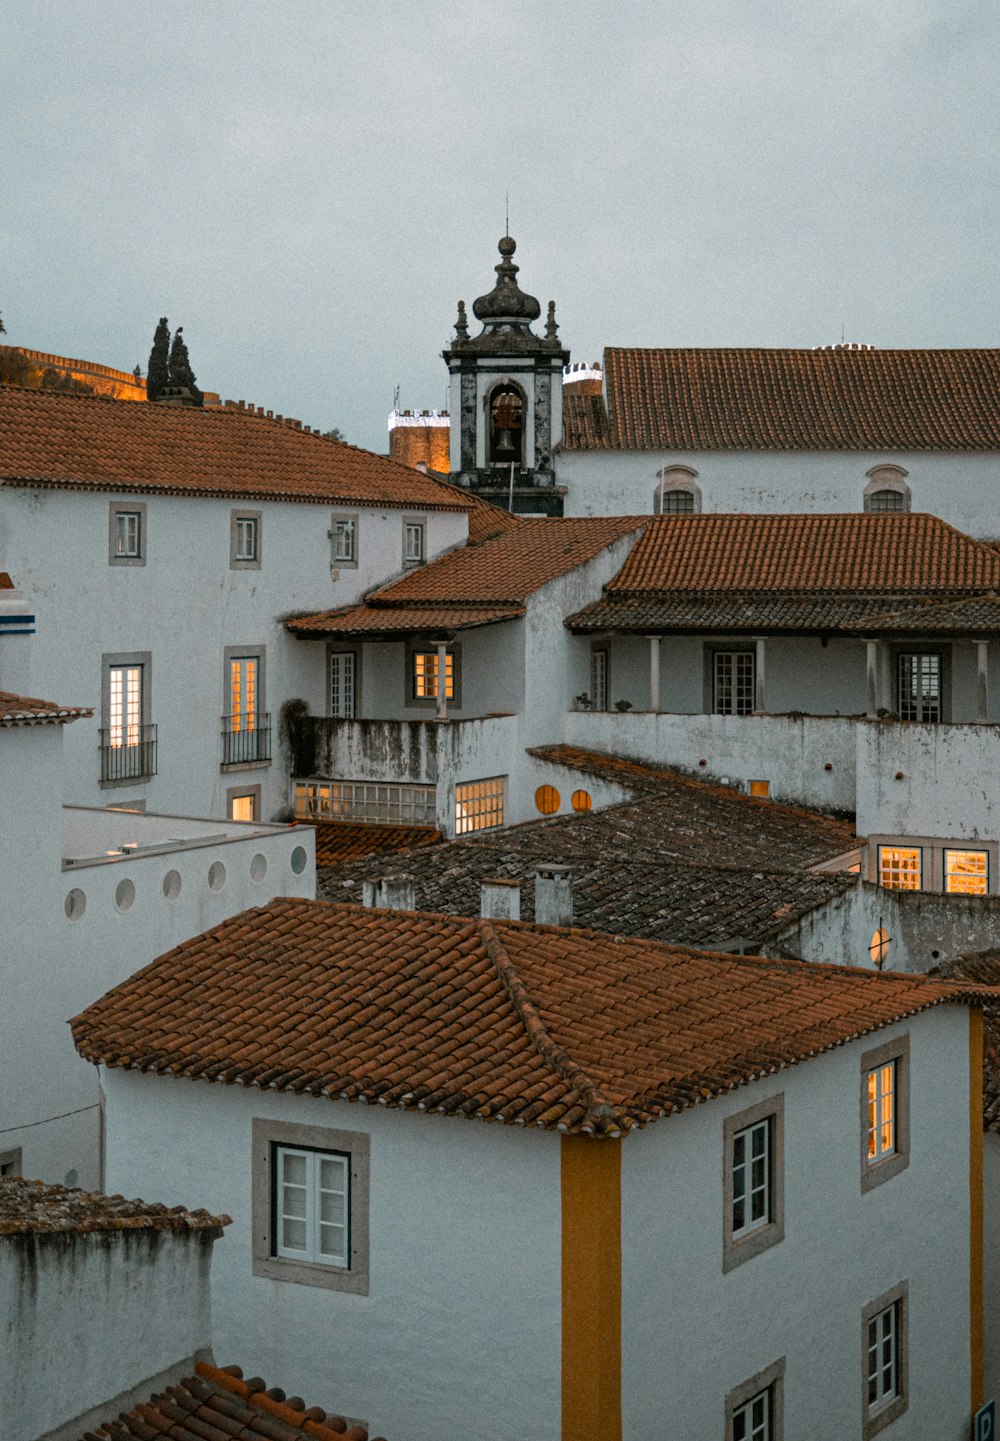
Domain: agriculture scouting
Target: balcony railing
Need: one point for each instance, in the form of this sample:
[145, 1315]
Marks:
[128, 753]
[246, 738]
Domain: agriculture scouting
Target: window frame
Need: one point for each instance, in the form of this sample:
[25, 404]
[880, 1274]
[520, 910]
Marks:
[121, 507]
[886, 477]
[735, 649]
[920, 872]
[343, 650]
[738, 1247]
[257, 653]
[123, 660]
[877, 1172]
[236, 793]
[770, 1379]
[337, 518]
[874, 1421]
[415, 648]
[600, 655]
[943, 651]
[267, 1136]
[418, 523]
[462, 829]
[677, 479]
[934, 850]
[236, 561]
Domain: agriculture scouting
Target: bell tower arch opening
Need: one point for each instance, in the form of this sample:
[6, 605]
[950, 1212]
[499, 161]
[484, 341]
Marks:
[506, 425]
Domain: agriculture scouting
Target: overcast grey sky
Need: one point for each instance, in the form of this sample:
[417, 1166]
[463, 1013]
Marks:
[308, 186]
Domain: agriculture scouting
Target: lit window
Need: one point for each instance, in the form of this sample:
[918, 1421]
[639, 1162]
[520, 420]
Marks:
[125, 691]
[343, 672]
[751, 1178]
[547, 800]
[733, 682]
[582, 801]
[246, 537]
[246, 729]
[752, 1421]
[883, 1358]
[383, 803]
[760, 789]
[413, 543]
[313, 1200]
[128, 534]
[345, 540]
[919, 687]
[878, 947]
[128, 741]
[244, 807]
[599, 679]
[899, 867]
[966, 873]
[881, 1130]
[425, 675]
[479, 805]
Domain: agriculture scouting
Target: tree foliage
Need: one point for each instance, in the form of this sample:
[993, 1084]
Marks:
[180, 367]
[333, 434]
[158, 370]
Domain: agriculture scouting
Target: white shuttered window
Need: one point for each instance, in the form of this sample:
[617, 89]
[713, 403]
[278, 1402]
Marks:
[313, 1194]
[342, 684]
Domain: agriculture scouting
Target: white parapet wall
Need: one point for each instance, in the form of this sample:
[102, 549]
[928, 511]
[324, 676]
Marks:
[808, 760]
[938, 780]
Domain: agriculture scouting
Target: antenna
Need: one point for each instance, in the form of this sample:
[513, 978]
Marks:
[506, 212]
[841, 332]
[395, 398]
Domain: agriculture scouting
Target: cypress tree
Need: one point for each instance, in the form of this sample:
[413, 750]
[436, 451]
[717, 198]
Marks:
[158, 373]
[180, 367]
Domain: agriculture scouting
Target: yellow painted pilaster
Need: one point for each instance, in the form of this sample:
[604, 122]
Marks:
[976, 1203]
[591, 1289]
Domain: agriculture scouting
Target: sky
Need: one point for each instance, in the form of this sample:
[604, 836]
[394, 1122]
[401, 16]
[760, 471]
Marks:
[309, 187]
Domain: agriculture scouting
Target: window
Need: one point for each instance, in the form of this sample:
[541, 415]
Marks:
[733, 682]
[599, 679]
[753, 1142]
[246, 727]
[310, 1205]
[883, 1339]
[884, 1112]
[422, 674]
[344, 536]
[245, 534]
[760, 789]
[919, 686]
[343, 684]
[887, 489]
[677, 491]
[754, 1410]
[899, 867]
[479, 805]
[10, 1162]
[966, 873]
[383, 802]
[128, 742]
[243, 804]
[506, 426]
[127, 541]
[547, 800]
[413, 542]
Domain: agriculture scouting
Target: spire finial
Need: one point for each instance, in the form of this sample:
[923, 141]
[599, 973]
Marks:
[461, 324]
[551, 328]
[506, 212]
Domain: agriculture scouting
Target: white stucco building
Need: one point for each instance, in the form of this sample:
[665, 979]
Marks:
[664, 1221]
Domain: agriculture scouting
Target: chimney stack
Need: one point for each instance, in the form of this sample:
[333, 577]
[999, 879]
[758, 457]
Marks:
[500, 900]
[553, 894]
[390, 893]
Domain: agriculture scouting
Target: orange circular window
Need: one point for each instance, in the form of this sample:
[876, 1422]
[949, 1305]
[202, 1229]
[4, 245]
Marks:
[547, 800]
[582, 801]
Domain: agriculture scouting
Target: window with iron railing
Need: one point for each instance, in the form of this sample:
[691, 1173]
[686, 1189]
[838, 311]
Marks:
[246, 730]
[128, 743]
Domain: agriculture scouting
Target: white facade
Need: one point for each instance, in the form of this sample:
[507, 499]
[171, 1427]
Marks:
[184, 614]
[75, 920]
[958, 486]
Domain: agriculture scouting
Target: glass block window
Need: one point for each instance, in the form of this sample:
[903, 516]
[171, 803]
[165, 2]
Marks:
[384, 803]
[479, 805]
[733, 682]
[919, 687]
[899, 867]
[966, 873]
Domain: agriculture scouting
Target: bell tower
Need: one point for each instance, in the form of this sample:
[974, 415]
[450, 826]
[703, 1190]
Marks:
[506, 397]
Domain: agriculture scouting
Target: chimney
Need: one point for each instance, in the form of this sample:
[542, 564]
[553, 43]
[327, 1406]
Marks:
[390, 893]
[553, 894]
[500, 900]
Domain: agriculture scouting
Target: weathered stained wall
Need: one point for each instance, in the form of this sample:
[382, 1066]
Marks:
[950, 784]
[85, 1317]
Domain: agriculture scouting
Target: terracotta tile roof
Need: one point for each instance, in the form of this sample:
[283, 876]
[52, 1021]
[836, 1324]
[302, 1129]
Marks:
[477, 585]
[982, 968]
[828, 399]
[977, 613]
[338, 841]
[19, 710]
[681, 862]
[38, 1208]
[487, 520]
[94, 443]
[371, 622]
[216, 1402]
[531, 1025]
[585, 422]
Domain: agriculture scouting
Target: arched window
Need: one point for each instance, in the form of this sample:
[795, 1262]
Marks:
[507, 426]
[887, 489]
[677, 491]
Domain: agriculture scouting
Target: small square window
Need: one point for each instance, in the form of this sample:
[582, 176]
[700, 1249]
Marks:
[884, 1112]
[245, 537]
[900, 868]
[966, 873]
[422, 674]
[479, 805]
[310, 1205]
[127, 538]
[413, 542]
[884, 1365]
[755, 1410]
[344, 538]
[753, 1159]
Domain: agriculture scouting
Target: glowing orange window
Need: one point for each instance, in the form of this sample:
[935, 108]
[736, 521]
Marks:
[582, 801]
[547, 800]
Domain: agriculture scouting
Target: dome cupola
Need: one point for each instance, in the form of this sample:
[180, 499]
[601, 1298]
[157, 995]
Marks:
[506, 304]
